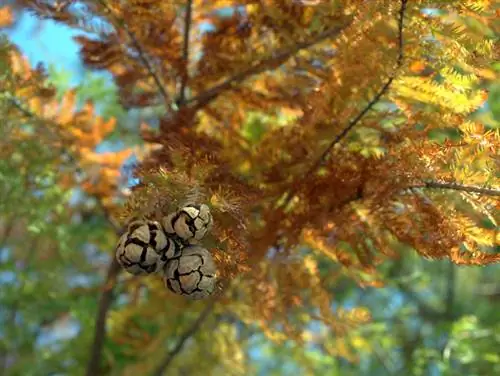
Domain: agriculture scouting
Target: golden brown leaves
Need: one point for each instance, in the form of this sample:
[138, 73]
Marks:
[423, 89]
[280, 293]
[6, 16]
[308, 70]
[162, 190]
[76, 132]
[98, 54]
[241, 66]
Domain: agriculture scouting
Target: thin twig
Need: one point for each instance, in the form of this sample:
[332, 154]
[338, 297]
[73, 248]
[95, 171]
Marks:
[185, 51]
[142, 55]
[425, 309]
[375, 99]
[389, 369]
[272, 62]
[322, 159]
[450, 290]
[105, 302]
[458, 187]
[401, 281]
[7, 230]
[17, 105]
[100, 324]
[167, 361]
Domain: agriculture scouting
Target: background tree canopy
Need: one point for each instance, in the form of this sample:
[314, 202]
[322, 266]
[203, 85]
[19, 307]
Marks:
[348, 151]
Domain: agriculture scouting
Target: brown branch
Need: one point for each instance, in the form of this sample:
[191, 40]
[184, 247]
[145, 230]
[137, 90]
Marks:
[105, 302]
[425, 309]
[17, 105]
[142, 55]
[185, 51]
[389, 369]
[100, 324]
[272, 62]
[322, 159]
[7, 230]
[458, 187]
[167, 361]
[450, 290]
[375, 99]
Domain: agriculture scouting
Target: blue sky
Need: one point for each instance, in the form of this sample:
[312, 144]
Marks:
[49, 43]
[52, 44]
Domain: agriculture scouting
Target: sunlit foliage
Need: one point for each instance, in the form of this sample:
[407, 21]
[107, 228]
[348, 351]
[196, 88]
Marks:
[344, 132]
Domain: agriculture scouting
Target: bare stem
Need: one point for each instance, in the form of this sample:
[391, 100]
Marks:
[167, 361]
[105, 302]
[185, 51]
[142, 55]
[7, 230]
[458, 187]
[450, 289]
[374, 100]
[272, 62]
[100, 324]
[22, 109]
[323, 157]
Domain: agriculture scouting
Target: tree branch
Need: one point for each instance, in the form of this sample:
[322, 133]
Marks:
[185, 51]
[450, 290]
[375, 99]
[7, 230]
[142, 55]
[17, 105]
[100, 324]
[389, 368]
[105, 302]
[272, 62]
[322, 159]
[426, 310]
[458, 187]
[167, 361]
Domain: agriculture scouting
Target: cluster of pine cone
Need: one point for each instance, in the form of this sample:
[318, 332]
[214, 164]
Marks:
[170, 247]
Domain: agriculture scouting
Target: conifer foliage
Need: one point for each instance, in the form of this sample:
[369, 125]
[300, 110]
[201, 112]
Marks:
[344, 130]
